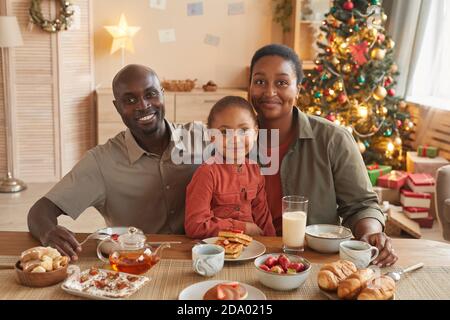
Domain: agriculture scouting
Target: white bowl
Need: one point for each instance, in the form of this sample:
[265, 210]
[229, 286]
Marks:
[285, 281]
[326, 238]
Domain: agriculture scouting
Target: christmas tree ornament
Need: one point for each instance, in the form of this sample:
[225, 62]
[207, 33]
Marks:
[362, 147]
[351, 21]
[399, 123]
[390, 43]
[346, 68]
[348, 5]
[384, 111]
[359, 52]
[375, 2]
[391, 92]
[394, 69]
[402, 105]
[381, 38]
[373, 33]
[380, 93]
[384, 17]
[335, 61]
[388, 132]
[388, 81]
[338, 85]
[363, 111]
[361, 80]
[378, 54]
[398, 141]
[342, 98]
[318, 95]
[325, 76]
[331, 117]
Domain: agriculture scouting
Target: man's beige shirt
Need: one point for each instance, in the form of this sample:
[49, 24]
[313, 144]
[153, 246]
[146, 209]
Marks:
[129, 186]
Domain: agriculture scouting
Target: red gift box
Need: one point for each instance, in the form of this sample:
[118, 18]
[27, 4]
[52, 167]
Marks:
[421, 182]
[393, 180]
[415, 199]
[425, 222]
[416, 213]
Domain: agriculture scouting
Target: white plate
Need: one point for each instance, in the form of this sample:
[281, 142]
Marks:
[197, 291]
[254, 250]
[70, 285]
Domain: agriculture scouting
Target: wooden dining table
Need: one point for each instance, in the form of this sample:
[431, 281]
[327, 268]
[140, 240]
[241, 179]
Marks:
[409, 251]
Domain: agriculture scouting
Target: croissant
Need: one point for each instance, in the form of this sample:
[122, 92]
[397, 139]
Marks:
[350, 288]
[47, 263]
[35, 253]
[381, 288]
[52, 253]
[38, 269]
[60, 262]
[331, 274]
[30, 265]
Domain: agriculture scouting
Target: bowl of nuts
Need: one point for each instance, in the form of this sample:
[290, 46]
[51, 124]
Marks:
[41, 267]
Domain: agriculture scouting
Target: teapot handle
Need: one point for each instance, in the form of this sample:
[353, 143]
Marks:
[99, 252]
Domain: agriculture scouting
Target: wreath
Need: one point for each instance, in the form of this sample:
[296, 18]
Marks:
[60, 23]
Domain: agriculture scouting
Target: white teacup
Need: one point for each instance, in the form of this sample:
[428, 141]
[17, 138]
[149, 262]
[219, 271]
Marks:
[359, 252]
[207, 259]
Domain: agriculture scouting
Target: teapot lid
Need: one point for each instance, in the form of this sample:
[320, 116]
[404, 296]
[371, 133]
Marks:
[133, 239]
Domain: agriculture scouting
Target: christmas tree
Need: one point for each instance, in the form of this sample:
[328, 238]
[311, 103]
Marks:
[353, 83]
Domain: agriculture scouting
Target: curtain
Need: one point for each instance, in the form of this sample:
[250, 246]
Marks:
[404, 29]
[428, 82]
[421, 30]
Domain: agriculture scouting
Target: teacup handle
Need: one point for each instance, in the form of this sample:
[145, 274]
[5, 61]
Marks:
[201, 271]
[375, 252]
[99, 252]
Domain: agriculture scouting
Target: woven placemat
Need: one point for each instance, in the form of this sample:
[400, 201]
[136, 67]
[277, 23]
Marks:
[170, 277]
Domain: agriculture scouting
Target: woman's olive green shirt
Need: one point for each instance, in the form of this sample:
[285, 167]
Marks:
[325, 165]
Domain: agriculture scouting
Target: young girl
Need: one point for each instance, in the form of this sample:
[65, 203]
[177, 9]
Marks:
[227, 191]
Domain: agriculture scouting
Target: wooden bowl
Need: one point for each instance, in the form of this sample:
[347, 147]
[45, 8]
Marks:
[40, 279]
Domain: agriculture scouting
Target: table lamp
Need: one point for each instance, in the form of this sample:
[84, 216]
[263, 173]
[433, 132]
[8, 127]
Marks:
[122, 37]
[10, 37]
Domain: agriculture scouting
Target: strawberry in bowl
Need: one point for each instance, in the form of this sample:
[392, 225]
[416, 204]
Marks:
[282, 271]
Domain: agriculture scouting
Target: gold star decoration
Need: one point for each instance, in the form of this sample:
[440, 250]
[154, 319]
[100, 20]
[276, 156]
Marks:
[122, 35]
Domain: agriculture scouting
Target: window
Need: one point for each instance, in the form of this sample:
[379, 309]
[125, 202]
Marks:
[430, 83]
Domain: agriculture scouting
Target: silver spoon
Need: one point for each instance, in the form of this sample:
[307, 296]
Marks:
[397, 275]
[92, 235]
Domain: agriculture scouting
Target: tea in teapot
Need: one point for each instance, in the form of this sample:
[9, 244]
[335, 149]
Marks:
[133, 254]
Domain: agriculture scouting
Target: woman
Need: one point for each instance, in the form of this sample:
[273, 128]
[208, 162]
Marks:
[318, 159]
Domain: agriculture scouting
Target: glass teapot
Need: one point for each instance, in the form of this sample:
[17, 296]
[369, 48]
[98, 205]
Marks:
[132, 254]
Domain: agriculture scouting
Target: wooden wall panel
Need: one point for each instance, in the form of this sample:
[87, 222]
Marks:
[76, 84]
[34, 117]
[51, 77]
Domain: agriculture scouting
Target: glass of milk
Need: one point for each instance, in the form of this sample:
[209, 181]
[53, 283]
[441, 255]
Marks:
[295, 209]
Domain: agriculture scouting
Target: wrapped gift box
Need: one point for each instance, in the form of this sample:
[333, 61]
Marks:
[414, 199]
[393, 180]
[375, 171]
[386, 194]
[421, 182]
[416, 213]
[397, 222]
[427, 151]
[416, 164]
[425, 222]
